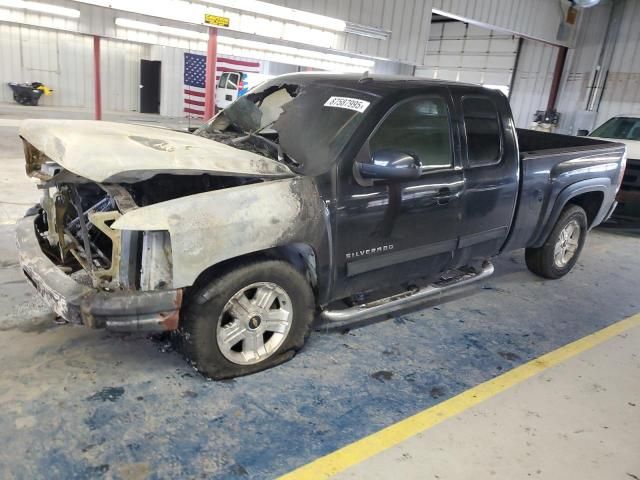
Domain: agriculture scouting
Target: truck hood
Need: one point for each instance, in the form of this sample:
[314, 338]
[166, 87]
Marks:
[108, 152]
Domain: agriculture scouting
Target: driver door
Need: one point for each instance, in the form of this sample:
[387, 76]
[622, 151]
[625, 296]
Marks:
[389, 231]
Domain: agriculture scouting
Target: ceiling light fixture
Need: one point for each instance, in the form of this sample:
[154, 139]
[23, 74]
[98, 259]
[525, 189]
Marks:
[342, 61]
[367, 31]
[41, 8]
[283, 13]
[152, 27]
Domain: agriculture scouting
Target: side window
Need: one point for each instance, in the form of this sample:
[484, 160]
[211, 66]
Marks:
[233, 81]
[223, 80]
[419, 127]
[481, 123]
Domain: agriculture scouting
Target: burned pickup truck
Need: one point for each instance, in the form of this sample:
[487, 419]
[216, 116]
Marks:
[315, 194]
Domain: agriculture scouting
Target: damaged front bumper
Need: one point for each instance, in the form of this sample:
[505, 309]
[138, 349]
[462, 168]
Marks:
[127, 310]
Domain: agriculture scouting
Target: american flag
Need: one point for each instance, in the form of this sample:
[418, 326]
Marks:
[194, 78]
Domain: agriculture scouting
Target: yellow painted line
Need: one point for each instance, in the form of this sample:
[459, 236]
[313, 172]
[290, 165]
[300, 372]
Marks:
[354, 453]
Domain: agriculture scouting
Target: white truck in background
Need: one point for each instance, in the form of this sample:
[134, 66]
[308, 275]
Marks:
[235, 84]
[625, 129]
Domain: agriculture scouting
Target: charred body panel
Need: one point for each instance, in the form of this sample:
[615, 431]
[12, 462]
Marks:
[123, 310]
[121, 153]
[209, 228]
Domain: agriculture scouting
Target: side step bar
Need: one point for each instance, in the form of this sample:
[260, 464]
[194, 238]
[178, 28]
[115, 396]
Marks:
[405, 299]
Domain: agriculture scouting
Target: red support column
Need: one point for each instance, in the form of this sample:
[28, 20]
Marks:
[210, 75]
[97, 88]
[557, 76]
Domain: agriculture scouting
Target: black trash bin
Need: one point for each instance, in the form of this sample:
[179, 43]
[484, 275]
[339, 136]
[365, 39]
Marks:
[26, 93]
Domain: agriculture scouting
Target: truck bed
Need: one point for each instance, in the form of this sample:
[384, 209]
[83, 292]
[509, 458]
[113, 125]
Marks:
[534, 143]
[550, 165]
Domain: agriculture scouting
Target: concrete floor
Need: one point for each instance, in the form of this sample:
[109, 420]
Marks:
[78, 403]
[579, 419]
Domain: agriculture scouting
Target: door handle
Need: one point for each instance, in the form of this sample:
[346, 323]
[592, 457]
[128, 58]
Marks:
[443, 196]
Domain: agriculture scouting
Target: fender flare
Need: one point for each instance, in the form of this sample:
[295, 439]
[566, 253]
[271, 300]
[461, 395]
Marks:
[571, 191]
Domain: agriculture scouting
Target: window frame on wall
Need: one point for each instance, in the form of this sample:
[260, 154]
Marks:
[500, 132]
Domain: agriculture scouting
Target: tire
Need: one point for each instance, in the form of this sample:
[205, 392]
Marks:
[207, 320]
[562, 248]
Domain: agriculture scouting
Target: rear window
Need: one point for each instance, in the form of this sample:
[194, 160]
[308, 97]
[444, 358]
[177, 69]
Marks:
[482, 126]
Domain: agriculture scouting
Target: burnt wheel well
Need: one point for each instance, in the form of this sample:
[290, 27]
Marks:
[300, 255]
[590, 203]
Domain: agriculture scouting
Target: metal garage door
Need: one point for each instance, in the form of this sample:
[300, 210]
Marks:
[466, 53]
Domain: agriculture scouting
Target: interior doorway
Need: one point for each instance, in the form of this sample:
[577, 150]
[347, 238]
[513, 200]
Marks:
[150, 86]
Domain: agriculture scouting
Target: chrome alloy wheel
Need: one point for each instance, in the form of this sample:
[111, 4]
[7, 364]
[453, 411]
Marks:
[567, 244]
[254, 323]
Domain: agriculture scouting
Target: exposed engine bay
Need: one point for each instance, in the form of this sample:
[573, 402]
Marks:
[74, 228]
[117, 198]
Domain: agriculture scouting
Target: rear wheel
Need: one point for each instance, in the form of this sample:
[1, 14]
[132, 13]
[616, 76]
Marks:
[249, 318]
[560, 252]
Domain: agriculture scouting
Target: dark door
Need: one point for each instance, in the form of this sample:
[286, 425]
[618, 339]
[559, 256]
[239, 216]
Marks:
[388, 232]
[491, 167]
[150, 86]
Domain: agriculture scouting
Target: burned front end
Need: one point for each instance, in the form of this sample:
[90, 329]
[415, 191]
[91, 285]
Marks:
[89, 272]
[131, 215]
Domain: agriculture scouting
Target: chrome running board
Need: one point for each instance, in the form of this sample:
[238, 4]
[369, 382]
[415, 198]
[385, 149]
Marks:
[405, 299]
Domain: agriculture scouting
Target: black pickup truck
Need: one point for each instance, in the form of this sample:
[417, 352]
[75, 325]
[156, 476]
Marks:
[341, 195]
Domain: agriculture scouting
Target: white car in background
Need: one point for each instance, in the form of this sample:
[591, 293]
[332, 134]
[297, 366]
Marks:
[625, 129]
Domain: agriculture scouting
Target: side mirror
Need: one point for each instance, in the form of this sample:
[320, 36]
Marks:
[582, 133]
[390, 165]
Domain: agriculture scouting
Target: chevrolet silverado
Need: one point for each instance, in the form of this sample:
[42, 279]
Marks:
[342, 196]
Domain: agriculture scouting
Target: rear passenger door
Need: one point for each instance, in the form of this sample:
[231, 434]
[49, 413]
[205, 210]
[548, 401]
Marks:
[491, 168]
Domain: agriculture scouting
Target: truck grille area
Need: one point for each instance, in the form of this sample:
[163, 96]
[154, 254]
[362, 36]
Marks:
[74, 230]
[631, 179]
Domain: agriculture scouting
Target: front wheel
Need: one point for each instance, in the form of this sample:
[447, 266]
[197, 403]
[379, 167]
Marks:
[560, 252]
[249, 318]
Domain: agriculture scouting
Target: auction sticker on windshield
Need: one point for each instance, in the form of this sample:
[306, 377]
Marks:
[348, 103]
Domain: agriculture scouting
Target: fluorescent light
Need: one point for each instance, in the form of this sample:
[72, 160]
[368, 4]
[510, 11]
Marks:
[367, 31]
[327, 59]
[41, 7]
[283, 13]
[299, 52]
[152, 27]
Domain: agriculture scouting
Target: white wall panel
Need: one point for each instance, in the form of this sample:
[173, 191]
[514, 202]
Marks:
[120, 72]
[532, 82]
[407, 20]
[580, 67]
[60, 60]
[531, 18]
[622, 89]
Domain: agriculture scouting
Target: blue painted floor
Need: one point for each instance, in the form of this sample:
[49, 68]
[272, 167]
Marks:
[77, 403]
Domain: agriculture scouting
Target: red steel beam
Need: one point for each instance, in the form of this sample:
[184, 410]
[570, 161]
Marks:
[97, 87]
[557, 75]
[210, 75]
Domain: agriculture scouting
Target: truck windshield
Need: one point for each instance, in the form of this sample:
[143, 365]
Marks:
[310, 123]
[623, 128]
